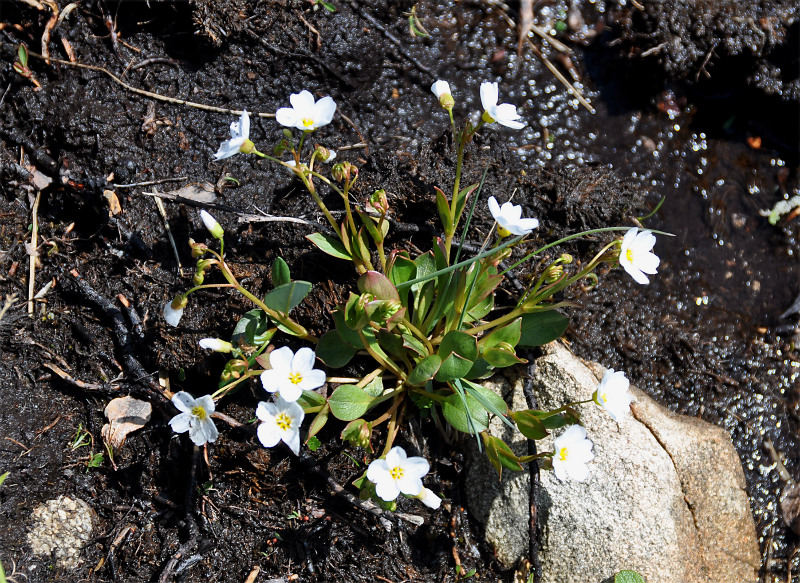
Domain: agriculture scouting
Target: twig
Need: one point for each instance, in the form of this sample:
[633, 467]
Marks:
[253, 574]
[162, 211]
[32, 253]
[150, 94]
[77, 382]
[152, 182]
[9, 301]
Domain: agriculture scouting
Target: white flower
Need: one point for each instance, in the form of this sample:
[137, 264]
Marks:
[212, 225]
[280, 421]
[505, 114]
[240, 136]
[572, 452]
[636, 256]
[397, 474]
[174, 314]
[509, 219]
[291, 373]
[612, 394]
[194, 417]
[305, 114]
[216, 345]
[441, 89]
[429, 499]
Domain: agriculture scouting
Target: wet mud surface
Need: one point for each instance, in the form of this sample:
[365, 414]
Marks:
[705, 337]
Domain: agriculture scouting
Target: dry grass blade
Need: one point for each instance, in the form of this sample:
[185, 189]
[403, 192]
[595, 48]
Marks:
[9, 301]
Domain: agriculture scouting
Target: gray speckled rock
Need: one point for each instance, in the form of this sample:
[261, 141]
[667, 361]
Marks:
[666, 494]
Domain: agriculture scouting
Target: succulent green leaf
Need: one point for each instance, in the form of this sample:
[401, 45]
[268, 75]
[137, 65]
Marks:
[280, 272]
[508, 334]
[460, 343]
[374, 388]
[453, 367]
[330, 245]
[456, 414]
[378, 285]
[401, 269]
[252, 329]
[529, 424]
[349, 402]
[311, 400]
[481, 369]
[542, 327]
[425, 370]
[443, 207]
[501, 358]
[499, 454]
[288, 296]
[489, 400]
[628, 577]
[319, 422]
[332, 351]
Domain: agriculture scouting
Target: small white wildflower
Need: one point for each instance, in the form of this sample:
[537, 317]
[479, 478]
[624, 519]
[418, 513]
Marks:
[194, 417]
[572, 452]
[636, 256]
[216, 344]
[240, 139]
[280, 421]
[429, 499]
[173, 310]
[612, 394]
[212, 225]
[441, 89]
[397, 474]
[509, 219]
[505, 114]
[305, 114]
[291, 373]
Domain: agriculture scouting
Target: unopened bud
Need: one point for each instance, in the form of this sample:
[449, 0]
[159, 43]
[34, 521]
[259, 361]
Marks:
[554, 273]
[378, 202]
[212, 225]
[338, 172]
[216, 345]
[325, 154]
[441, 89]
[198, 249]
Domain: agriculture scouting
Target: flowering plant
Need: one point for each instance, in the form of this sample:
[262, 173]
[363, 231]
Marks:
[428, 322]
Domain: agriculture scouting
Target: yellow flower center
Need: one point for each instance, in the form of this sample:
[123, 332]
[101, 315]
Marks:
[296, 378]
[308, 122]
[199, 412]
[396, 472]
[629, 254]
[283, 421]
[502, 231]
[563, 453]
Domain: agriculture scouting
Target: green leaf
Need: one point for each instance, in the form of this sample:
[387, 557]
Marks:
[628, 577]
[453, 367]
[280, 272]
[252, 329]
[499, 454]
[288, 296]
[542, 327]
[501, 358]
[374, 388]
[460, 343]
[443, 207]
[529, 424]
[454, 410]
[349, 402]
[489, 400]
[481, 369]
[509, 334]
[330, 245]
[347, 334]
[480, 309]
[332, 351]
[3, 477]
[319, 422]
[378, 285]
[310, 400]
[401, 269]
[425, 370]
[312, 443]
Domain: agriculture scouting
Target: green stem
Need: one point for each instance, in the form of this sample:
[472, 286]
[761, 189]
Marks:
[387, 364]
[219, 393]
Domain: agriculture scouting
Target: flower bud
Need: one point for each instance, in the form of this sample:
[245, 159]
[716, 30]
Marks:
[553, 274]
[441, 89]
[198, 278]
[173, 311]
[325, 154]
[338, 172]
[198, 249]
[378, 202]
[212, 225]
[216, 345]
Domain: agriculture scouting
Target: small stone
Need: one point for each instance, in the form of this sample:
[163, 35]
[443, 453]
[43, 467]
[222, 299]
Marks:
[61, 527]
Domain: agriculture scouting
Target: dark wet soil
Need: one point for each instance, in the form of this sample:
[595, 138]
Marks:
[704, 338]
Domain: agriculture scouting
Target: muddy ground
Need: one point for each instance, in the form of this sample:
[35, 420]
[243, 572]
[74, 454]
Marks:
[709, 123]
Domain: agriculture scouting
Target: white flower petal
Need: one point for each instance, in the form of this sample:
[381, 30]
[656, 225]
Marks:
[409, 485]
[268, 433]
[271, 380]
[281, 359]
[440, 88]
[303, 360]
[377, 471]
[387, 490]
[266, 410]
[323, 111]
[396, 457]
[207, 403]
[429, 499]
[292, 439]
[180, 423]
[171, 315]
[286, 116]
[302, 101]
[416, 466]
[244, 126]
[183, 401]
[207, 431]
[313, 379]
[489, 95]
[290, 392]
